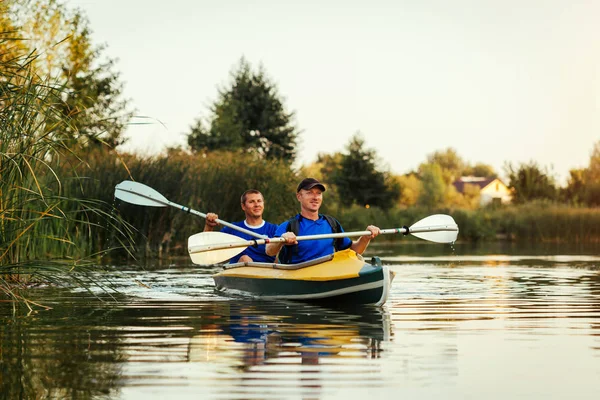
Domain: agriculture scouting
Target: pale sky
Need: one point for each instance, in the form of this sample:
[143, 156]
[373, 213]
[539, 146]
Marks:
[497, 80]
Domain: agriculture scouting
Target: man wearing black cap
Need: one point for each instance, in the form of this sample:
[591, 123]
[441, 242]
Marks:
[309, 222]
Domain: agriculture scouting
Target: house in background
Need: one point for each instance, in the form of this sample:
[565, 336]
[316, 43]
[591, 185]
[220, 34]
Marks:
[491, 190]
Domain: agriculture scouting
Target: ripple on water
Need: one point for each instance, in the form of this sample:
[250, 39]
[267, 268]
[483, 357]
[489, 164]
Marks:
[494, 329]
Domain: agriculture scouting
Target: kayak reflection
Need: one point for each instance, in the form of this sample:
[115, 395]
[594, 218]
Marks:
[256, 332]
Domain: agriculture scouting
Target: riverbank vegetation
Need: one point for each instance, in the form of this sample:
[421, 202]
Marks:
[63, 118]
[51, 230]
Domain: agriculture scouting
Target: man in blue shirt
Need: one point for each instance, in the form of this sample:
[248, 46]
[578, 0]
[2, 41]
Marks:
[253, 204]
[310, 195]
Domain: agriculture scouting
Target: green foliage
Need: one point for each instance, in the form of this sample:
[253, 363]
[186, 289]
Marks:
[530, 182]
[207, 183]
[248, 115]
[450, 163]
[356, 218]
[550, 222]
[59, 40]
[593, 170]
[480, 170]
[576, 187]
[47, 233]
[592, 194]
[328, 164]
[583, 186]
[475, 225]
[434, 186]
[536, 222]
[451, 167]
[221, 177]
[539, 221]
[358, 180]
[410, 189]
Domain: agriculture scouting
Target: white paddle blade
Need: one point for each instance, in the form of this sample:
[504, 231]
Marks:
[140, 194]
[207, 248]
[214, 256]
[438, 228]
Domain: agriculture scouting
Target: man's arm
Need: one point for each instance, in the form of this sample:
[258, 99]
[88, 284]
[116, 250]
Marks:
[362, 243]
[272, 249]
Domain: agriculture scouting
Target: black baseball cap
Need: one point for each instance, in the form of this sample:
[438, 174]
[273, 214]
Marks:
[310, 183]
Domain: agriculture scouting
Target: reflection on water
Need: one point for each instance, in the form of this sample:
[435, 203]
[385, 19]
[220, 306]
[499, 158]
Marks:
[93, 348]
[476, 326]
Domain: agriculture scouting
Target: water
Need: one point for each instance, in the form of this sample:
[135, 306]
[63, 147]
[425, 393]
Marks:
[467, 323]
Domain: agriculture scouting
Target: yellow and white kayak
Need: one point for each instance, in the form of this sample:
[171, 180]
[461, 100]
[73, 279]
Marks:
[343, 278]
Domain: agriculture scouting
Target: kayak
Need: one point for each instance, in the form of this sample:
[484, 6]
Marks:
[343, 278]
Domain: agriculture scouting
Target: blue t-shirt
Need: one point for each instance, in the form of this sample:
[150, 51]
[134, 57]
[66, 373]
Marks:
[311, 249]
[257, 254]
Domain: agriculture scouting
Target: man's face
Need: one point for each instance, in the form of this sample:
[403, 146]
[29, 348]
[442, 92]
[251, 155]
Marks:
[254, 205]
[310, 200]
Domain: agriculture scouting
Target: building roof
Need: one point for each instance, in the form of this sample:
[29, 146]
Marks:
[482, 182]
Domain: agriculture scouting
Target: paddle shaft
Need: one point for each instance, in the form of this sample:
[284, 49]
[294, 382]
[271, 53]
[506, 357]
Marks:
[404, 230]
[189, 211]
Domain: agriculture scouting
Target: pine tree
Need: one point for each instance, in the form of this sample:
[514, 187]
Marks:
[248, 115]
[358, 180]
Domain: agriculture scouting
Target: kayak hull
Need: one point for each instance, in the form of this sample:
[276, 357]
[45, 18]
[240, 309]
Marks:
[343, 278]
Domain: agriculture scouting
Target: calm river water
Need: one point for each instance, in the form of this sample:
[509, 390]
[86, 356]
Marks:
[461, 323]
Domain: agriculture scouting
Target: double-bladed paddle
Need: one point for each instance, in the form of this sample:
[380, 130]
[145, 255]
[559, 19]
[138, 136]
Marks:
[142, 195]
[215, 247]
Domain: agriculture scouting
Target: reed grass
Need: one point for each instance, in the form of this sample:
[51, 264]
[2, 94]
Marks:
[47, 233]
[207, 183]
[533, 222]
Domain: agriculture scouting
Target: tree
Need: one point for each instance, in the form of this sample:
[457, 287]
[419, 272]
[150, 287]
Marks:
[530, 182]
[480, 170]
[575, 190]
[434, 187]
[359, 182]
[451, 164]
[328, 165]
[92, 99]
[410, 189]
[592, 177]
[248, 115]
[584, 184]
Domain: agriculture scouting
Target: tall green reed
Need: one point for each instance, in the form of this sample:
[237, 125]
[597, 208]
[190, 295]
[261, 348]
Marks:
[45, 233]
[208, 183]
[533, 222]
[530, 222]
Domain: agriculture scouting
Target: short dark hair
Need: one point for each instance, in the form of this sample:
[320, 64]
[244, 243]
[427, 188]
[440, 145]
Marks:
[250, 191]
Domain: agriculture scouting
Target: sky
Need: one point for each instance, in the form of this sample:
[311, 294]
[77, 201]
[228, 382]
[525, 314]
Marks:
[499, 81]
